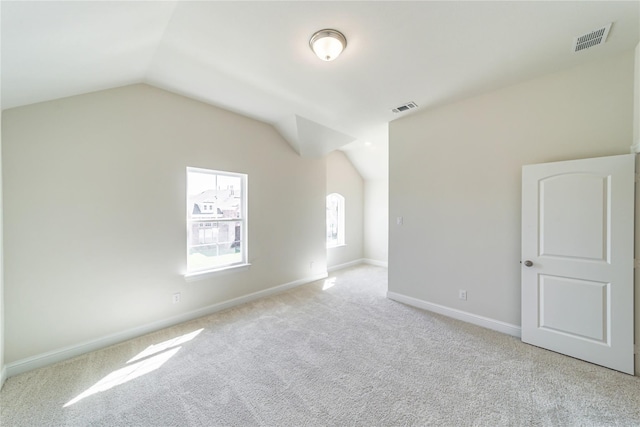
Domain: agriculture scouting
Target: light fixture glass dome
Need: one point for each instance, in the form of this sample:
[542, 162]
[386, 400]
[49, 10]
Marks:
[328, 44]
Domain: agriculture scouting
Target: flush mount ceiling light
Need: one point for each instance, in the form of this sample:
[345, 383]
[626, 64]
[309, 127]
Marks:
[328, 44]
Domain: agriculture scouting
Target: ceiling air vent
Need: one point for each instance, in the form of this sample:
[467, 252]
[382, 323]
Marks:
[405, 107]
[593, 38]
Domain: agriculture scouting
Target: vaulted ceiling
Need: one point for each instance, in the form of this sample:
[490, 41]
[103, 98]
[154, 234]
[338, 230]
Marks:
[253, 57]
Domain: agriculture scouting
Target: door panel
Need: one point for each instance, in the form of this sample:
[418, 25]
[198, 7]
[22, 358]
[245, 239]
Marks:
[573, 216]
[577, 233]
[586, 301]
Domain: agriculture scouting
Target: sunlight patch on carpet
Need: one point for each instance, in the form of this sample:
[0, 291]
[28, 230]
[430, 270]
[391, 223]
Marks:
[157, 348]
[329, 283]
[150, 359]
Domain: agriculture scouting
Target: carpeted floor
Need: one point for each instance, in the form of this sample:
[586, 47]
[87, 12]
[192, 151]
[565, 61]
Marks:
[332, 353]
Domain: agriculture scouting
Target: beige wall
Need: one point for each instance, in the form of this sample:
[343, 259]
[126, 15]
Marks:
[94, 196]
[376, 221]
[344, 179]
[455, 178]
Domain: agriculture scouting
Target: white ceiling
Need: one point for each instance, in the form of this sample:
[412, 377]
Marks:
[254, 57]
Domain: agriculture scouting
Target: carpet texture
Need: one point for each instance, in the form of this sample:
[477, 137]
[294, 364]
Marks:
[340, 356]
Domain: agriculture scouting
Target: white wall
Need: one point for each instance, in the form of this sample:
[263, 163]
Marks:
[455, 178]
[636, 149]
[344, 179]
[94, 196]
[2, 365]
[636, 101]
[2, 358]
[376, 221]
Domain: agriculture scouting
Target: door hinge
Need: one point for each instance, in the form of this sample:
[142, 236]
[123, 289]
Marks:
[636, 263]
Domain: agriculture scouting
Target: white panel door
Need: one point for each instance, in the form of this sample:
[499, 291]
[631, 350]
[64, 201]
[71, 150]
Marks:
[577, 259]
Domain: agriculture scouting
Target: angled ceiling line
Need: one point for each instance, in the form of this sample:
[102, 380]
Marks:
[154, 55]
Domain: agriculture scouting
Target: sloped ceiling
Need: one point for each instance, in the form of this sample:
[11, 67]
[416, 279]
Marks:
[253, 57]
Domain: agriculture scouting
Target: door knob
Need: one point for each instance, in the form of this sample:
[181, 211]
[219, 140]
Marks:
[528, 263]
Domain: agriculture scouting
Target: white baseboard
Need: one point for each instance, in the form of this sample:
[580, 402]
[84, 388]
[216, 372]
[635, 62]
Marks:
[345, 265]
[59, 355]
[384, 264]
[3, 376]
[485, 322]
[358, 262]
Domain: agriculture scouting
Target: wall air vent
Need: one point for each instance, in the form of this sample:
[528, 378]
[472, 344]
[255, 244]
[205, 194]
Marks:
[592, 38]
[404, 107]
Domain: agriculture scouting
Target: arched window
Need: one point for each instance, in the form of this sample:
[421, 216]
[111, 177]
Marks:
[335, 220]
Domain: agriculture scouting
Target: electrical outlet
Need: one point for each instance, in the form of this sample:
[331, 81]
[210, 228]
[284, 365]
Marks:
[176, 297]
[311, 265]
[399, 220]
[462, 294]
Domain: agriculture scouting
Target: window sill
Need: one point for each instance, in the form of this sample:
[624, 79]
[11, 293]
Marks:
[201, 275]
[336, 246]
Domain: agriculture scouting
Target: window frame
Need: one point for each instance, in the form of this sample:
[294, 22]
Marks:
[199, 273]
[341, 234]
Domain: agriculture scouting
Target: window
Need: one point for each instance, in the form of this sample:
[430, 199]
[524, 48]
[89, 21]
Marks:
[335, 220]
[216, 220]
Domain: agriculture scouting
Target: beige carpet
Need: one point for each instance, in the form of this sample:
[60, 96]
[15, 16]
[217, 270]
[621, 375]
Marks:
[340, 356]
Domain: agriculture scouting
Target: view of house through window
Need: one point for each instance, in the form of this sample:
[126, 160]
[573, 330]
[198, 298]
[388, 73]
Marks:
[216, 219]
[335, 220]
